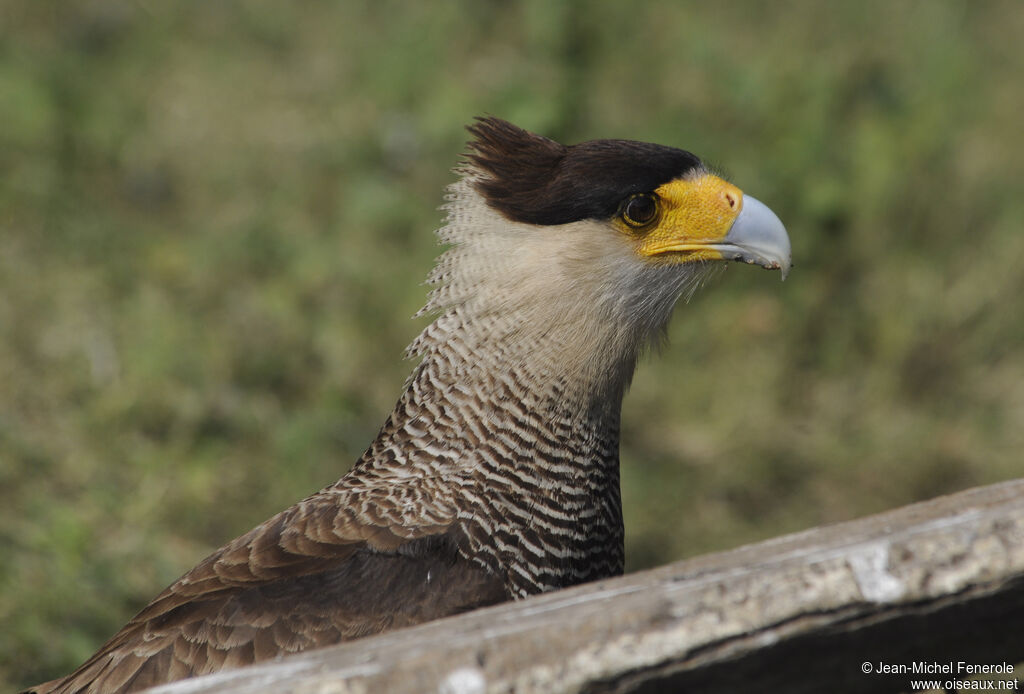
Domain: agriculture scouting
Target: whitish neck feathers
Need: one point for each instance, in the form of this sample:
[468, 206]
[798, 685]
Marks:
[572, 302]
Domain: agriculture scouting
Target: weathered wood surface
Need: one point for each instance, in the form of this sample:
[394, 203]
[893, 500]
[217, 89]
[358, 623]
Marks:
[940, 581]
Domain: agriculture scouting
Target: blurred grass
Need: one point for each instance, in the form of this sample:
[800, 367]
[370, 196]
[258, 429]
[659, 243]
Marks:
[215, 218]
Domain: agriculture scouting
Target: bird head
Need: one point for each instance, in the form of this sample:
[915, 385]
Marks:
[581, 252]
[662, 200]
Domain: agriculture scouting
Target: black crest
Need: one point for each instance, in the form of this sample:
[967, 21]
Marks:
[529, 178]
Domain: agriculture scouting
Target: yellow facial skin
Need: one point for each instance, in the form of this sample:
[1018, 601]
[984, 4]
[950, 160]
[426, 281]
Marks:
[692, 215]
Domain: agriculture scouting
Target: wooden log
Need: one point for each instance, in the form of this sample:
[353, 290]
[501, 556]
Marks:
[931, 586]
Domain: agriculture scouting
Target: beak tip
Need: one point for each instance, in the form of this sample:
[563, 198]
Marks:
[760, 237]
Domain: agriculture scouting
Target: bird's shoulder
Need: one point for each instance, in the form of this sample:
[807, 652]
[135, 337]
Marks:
[341, 564]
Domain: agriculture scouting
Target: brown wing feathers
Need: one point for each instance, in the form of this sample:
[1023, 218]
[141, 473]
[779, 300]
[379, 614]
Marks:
[286, 587]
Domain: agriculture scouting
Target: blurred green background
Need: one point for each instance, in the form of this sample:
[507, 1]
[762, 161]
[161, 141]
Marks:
[215, 218]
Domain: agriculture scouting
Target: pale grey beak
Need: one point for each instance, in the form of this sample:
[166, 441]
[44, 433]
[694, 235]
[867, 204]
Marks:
[757, 237]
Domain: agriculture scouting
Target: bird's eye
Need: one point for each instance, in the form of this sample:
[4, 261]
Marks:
[639, 209]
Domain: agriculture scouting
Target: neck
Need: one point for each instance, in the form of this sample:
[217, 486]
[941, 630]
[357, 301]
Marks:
[535, 454]
[516, 402]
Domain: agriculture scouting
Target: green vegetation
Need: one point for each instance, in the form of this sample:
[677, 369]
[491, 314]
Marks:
[215, 218]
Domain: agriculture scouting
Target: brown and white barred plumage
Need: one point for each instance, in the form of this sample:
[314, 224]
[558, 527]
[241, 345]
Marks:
[496, 476]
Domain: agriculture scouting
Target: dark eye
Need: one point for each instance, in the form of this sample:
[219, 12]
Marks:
[640, 209]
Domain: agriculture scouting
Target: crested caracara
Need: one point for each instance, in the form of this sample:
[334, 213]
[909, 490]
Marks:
[496, 476]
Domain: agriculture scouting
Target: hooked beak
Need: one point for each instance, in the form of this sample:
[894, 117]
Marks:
[757, 236]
